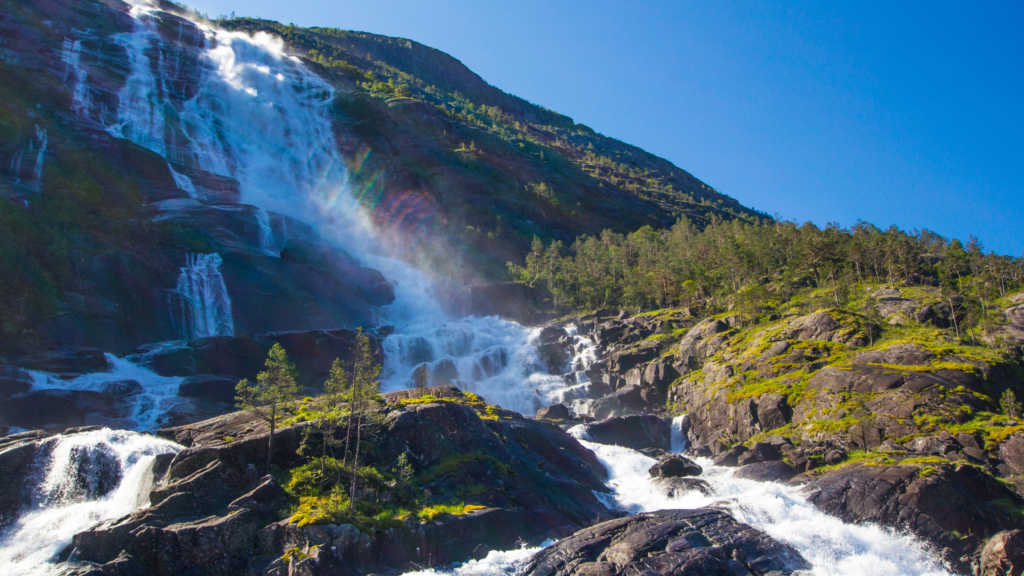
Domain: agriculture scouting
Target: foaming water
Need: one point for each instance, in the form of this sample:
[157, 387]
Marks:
[496, 563]
[83, 480]
[159, 394]
[831, 546]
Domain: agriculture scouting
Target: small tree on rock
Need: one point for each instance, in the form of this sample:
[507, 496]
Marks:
[421, 378]
[274, 391]
[1009, 404]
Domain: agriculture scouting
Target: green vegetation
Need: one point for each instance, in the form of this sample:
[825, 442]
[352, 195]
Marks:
[763, 266]
[274, 392]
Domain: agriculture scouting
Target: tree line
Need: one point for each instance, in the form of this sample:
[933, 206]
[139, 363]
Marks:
[738, 259]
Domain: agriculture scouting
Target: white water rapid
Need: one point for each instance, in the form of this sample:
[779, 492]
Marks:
[206, 305]
[831, 546]
[82, 480]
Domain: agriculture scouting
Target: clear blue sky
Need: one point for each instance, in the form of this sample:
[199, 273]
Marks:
[890, 112]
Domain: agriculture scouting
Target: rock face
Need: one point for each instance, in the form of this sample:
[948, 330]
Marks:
[679, 542]
[513, 300]
[933, 505]
[214, 512]
[1003, 555]
[234, 358]
[636, 432]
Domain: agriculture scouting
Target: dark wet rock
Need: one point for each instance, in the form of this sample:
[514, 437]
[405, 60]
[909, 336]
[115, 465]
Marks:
[731, 457]
[445, 373]
[634, 432]
[676, 487]
[212, 386]
[773, 471]
[512, 300]
[122, 388]
[937, 505]
[1003, 555]
[45, 409]
[68, 361]
[94, 472]
[554, 412]
[14, 381]
[675, 466]
[701, 541]
[17, 454]
[624, 402]
[760, 452]
[237, 357]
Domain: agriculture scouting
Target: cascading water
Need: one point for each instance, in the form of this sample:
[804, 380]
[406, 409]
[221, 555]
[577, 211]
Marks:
[206, 306]
[266, 232]
[40, 157]
[71, 55]
[83, 480]
[157, 396]
[832, 547]
[259, 116]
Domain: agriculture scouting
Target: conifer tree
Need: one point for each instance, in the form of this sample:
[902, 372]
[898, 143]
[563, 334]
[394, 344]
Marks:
[275, 390]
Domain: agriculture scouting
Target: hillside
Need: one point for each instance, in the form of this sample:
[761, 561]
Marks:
[278, 300]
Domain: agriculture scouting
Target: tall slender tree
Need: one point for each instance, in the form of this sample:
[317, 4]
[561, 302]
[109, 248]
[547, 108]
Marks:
[275, 390]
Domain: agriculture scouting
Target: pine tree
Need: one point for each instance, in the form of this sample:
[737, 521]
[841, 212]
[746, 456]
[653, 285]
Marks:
[364, 390]
[275, 390]
[421, 377]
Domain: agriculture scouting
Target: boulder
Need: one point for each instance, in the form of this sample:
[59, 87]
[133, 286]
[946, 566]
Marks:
[412, 394]
[636, 432]
[1011, 452]
[760, 452]
[701, 541]
[675, 466]
[700, 343]
[676, 487]
[731, 457]
[210, 386]
[773, 471]
[122, 388]
[937, 506]
[554, 412]
[1003, 555]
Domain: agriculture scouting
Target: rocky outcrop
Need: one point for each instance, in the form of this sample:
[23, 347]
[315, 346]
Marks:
[636, 432]
[512, 300]
[1003, 555]
[237, 357]
[214, 512]
[938, 504]
[701, 541]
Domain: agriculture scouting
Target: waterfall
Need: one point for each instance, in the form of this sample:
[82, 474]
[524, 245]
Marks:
[71, 55]
[831, 546]
[183, 183]
[206, 306]
[83, 480]
[16, 164]
[38, 171]
[140, 111]
[266, 233]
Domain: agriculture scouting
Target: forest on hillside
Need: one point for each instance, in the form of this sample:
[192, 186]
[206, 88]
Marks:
[757, 267]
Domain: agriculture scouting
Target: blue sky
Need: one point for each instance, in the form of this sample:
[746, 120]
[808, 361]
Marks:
[893, 113]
